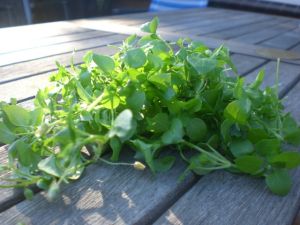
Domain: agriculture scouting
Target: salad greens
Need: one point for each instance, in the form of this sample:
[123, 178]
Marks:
[150, 96]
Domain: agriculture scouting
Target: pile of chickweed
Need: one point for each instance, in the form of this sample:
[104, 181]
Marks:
[163, 101]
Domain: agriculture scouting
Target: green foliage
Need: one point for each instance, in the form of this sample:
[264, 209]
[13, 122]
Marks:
[159, 103]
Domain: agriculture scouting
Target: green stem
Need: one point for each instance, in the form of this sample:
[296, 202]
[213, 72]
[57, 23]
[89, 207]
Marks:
[115, 164]
[216, 157]
[94, 103]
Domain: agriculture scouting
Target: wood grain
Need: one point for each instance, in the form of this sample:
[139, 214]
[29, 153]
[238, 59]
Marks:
[105, 195]
[45, 51]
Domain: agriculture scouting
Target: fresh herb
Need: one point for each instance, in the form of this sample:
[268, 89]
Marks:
[158, 99]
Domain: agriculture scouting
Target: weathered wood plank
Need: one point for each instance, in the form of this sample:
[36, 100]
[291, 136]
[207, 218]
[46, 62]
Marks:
[288, 75]
[226, 24]
[245, 63]
[105, 195]
[284, 41]
[36, 31]
[296, 48]
[234, 46]
[265, 34]
[28, 86]
[31, 54]
[197, 23]
[30, 68]
[223, 198]
[33, 43]
[238, 31]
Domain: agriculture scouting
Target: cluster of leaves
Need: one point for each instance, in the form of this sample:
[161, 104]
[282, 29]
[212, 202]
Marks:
[159, 99]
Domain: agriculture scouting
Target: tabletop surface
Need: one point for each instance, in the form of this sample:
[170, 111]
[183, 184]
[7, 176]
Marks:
[106, 195]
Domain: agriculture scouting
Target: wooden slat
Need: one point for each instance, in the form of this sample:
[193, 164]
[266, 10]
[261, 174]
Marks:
[234, 46]
[33, 43]
[224, 198]
[43, 65]
[45, 51]
[105, 195]
[245, 63]
[226, 24]
[37, 31]
[265, 34]
[28, 86]
[238, 31]
[202, 23]
[288, 75]
[284, 41]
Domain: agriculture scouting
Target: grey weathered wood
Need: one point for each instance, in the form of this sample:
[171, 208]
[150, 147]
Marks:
[242, 30]
[30, 68]
[222, 198]
[265, 34]
[28, 86]
[234, 46]
[201, 23]
[226, 24]
[296, 48]
[284, 41]
[33, 43]
[31, 54]
[105, 195]
[288, 75]
[245, 63]
[37, 31]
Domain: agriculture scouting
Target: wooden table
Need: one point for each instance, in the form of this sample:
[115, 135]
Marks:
[107, 195]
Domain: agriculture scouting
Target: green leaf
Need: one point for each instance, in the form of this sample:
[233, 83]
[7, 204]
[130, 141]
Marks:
[238, 111]
[225, 129]
[293, 137]
[174, 134]
[28, 194]
[36, 116]
[136, 100]
[110, 100]
[159, 123]
[279, 182]
[162, 80]
[83, 94]
[289, 160]
[163, 164]
[201, 65]
[17, 115]
[105, 63]
[53, 191]
[147, 152]
[155, 61]
[135, 58]
[259, 79]
[49, 166]
[150, 27]
[240, 147]
[123, 126]
[267, 147]
[196, 129]
[116, 147]
[249, 164]
[6, 136]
